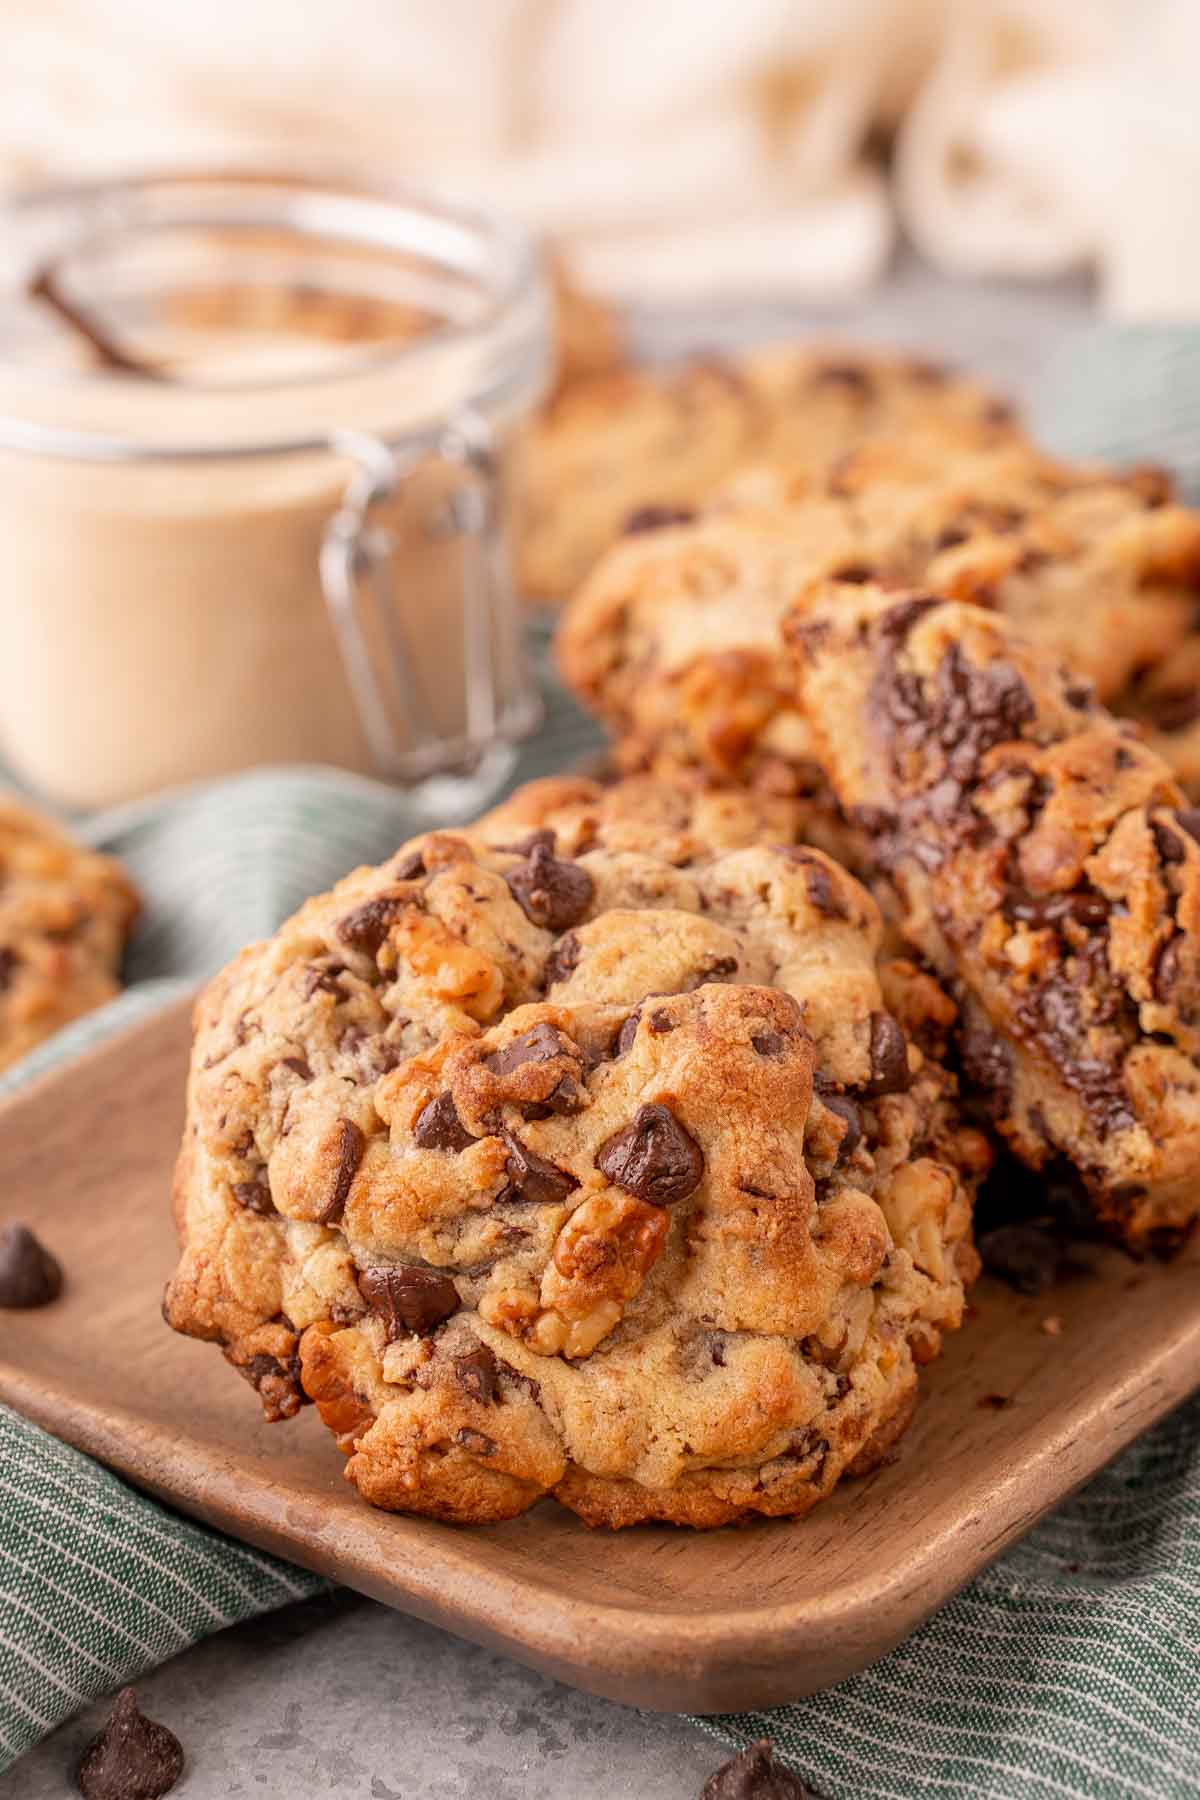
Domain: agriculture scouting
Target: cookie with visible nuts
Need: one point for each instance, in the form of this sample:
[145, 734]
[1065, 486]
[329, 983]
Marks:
[65, 915]
[675, 640]
[597, 1164]
[640, 449]
[1045, 864]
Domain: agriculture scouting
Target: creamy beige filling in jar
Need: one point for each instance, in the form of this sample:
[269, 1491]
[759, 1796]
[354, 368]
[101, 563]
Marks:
[257, 451]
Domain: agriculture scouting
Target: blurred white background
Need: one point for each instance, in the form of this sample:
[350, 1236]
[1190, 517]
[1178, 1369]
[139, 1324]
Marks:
[684, 147]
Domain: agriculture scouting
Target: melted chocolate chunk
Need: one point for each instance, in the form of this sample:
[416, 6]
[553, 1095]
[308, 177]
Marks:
[852, 376]
[366, 928]
[438, 1126]
[657, 518]
[1084, 906]
[889, 1058]
[654, 1159]
[410, 867]
[351, 1147]
[254, 1196]
[408, 1298]
[769, 1043]
[277, 1383]
[133, 1758]
[476, 1372]
[475, 1441]
[323, 978]
[541, 1044]
[628, 1032]
[531, 1177]
[298, 1065]
[551, 893]
[1027, 1255]
[563, 960]
[29, 1275]
[9, 961]
[848, 1110]
[819, 882]
[756, 1774]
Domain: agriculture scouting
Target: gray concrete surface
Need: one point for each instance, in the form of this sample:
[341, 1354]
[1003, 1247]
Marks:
[340, 1696]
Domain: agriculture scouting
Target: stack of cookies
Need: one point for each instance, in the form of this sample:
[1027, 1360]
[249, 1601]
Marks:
[624, 1146]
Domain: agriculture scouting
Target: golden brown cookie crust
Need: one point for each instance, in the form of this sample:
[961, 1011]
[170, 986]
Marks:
[1044, 862]
[587, 1161]
[65, 915]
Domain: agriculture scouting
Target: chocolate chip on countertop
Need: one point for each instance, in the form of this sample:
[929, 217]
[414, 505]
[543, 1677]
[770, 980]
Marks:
[29, 1275]
[255, 1197]
[408, 1297]
[438, 1126]
[551, 893]
[654, 1159]
[1028, 1255]
[351, 1147]
[756, 1774]
[476, 1372]
[889, 1058]
[133, 1758]
[531, 1177]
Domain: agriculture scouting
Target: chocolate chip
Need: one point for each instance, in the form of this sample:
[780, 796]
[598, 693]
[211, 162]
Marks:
[1175, 711]
[715, 968]
[323, 978]
[661, 1022]
[29, 1275]
[351, 1147]
[756, 1774]
[654, 1159]
[852, 376]
[563, 960]
[551, 893]
[438, 1126]
[408, 1298]
[366, 928]
[8, 964]
[476, 1371]
[1189, 818]
[657, 518]
[1084, 906]
[847, 1110]
[475, 1442]
[769, 1043]
[531, 1177]
[541, 1044]
[854, 572]
[628, 1032]
[889, 1058]
[298, 1066]
[994, 1402]
[410, 867]
[1027, 1255]
[133, 1758]
[254, 1196]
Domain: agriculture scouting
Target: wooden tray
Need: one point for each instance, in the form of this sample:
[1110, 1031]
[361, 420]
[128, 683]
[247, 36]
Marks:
[660, 1618]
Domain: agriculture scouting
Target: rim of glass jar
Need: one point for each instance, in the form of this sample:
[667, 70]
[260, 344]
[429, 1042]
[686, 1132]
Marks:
[507, 265]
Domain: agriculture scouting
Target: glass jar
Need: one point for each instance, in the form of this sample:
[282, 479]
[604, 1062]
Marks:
[233, 538]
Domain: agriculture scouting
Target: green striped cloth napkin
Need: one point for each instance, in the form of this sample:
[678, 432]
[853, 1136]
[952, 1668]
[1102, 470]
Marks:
[1070, 1668]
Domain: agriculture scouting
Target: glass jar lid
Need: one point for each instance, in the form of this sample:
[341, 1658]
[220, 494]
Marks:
[200, 316]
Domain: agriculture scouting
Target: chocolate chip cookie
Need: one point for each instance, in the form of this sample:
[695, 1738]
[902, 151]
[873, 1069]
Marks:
[580, 1156]
[1045, 864]
[675, 639]
[65, 914]
[641, 449]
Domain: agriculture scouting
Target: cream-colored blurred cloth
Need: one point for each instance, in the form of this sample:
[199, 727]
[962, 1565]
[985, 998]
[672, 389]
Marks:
[682, 148]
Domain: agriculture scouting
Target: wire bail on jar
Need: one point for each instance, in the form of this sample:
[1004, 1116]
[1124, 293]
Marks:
[500, 702]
